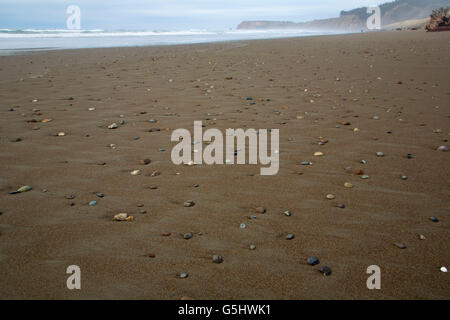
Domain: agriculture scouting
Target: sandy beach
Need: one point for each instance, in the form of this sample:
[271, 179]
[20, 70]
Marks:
[348, 97]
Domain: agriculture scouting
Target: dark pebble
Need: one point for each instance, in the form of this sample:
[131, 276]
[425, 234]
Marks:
[290, 236]
[325, 270]
[312, 261]
[434, 219]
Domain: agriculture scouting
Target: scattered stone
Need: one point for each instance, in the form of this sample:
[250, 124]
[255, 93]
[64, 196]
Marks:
[142, 211]
[326, 271]
[409, 156]
[24, 189]
[196, 185]
[359, 172]
[365, 176]
[145, 162]
[123, 217]
[443, 269]
[306, 163]
[113, 126]
[400, 245]
[252, 247]
[135, 172]
[92, 203]
[331, 196]
[188, 236]
[151, 255]
[380, 154]
[312, 261]
[189, 203]
[100, 195]
[434, 219]
[421, 237]
[318, 154]
[340, 205]
[243, 226]
[290, 236]
[183, 275]
[100, 163]
[217, 259]
[61, 134]
[443, 148]
[404, 177]
[287, 213]
[166, 234]
[260, 210]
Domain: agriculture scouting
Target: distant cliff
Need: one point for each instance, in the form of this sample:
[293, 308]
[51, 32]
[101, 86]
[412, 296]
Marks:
[353, 20]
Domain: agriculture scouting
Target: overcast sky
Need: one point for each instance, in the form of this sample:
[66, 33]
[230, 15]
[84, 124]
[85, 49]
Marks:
[167, 14]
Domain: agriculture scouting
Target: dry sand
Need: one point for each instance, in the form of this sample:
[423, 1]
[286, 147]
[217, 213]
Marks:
[400, 77]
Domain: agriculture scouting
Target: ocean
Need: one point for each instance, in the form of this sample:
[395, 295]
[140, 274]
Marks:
[13, 41]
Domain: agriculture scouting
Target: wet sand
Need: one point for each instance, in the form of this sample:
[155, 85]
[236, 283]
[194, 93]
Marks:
[320, 88]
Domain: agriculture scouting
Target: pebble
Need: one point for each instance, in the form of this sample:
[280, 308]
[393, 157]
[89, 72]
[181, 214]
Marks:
[189, 203]
[260, 210]
[252, 247]
[287, 213]
[145, 162]
[217, 258]
[312, 261]
[243, 226]
[61, 134]
[290, 236]
[188, 236]
[318, 154]
[123, 217]
[113, 126]
[100, 195]
[434, 219]
[348, 185]
[404, 177]
[183, 275]
[166, 234]
[325, 270]
[196, 185]
[143, 211]
[443, 269]
[340, 205]
[135, 172]
[24, 189]
[364, 176]
[151, 255]
[331, 196]
[400, 245]
[92, 203]
[409, 156]
[359, 172]
[380, 154]
[306, 163]
[443, 148]
[421, 237]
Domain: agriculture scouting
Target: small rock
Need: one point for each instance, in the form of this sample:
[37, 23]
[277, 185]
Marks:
[113, 126]
[151, 255]
[290, 236]
[260, 210]
[135, 172]
[312, 261]
[188, 236]
[380, 154]
[189, 203]
[92, 203]
[404, 177]
[421, 237]
[217, 258]
[183, 275]
[331, 196]
[287, 213]
[143, 211]
[243, 226]
[120, 217]
[252, 247]
[340, 205]
[325, 270]
[434, 219]
[365, 176]
[348, 185]
[100, 195]
[318, 154]
[24, 189]
[443, 269]
[145, 162]
[400, 245]
[443, 148]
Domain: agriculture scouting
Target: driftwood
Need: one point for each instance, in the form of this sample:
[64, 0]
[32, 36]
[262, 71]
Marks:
[439, 20]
